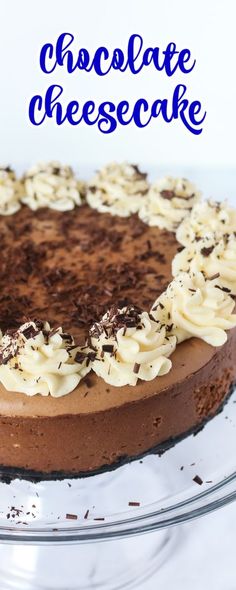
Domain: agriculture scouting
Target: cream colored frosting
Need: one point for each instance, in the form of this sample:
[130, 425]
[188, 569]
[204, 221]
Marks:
[10, 192]
[36, 359]
[130, 346]
[212, 257]
[169, 200]
[117, 189]
[195, 306]
[51, 185]
[207, 217]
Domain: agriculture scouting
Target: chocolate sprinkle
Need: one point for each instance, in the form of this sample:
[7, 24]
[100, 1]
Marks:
[224, 289]
[207, 251]
[30, 332]
[169, 195]
[71, 516]
[117, 319]
[198, 480]
[107, 348]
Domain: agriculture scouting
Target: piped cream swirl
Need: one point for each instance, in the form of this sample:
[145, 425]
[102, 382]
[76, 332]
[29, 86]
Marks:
[169, 200]
[51, 185]
[195, 306]
[36, 359]
[129, 346]
[207, 217]
[118, 189]
[10, 192]
[212, 257]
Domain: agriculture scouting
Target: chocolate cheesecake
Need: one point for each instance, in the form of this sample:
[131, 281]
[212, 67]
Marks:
[69, 268]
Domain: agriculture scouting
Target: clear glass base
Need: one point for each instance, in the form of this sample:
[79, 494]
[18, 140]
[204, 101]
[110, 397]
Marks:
[126, 563]
[58, 529]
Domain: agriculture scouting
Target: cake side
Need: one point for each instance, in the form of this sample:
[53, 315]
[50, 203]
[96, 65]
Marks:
[86, 443]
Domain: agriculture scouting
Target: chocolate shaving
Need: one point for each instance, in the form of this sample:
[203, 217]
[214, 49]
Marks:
[108, 348]
[30, 332]
[224, 289]
[115, 320]
[169, 195]
[206, 251]
[198, 480]
[136, 368]
[80, 357]
[215, 276]
[71, 516]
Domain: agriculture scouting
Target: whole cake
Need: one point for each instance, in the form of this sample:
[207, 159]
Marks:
[118, 331]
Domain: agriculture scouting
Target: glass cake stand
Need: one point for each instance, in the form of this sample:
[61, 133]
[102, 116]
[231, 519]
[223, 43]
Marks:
[50, 530]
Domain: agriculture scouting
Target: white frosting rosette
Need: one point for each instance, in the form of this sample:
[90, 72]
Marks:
[51, 185]
[207, 217]
[169, 200]
[36, 359]
[118, 189]
[195, 306]
[129, 346]
[10, 192]
[212, 257]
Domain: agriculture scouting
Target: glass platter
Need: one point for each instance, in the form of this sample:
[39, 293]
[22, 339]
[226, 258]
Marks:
[142, 496]
[191, 479]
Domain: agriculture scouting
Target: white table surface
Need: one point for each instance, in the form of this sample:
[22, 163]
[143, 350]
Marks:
[204, 556]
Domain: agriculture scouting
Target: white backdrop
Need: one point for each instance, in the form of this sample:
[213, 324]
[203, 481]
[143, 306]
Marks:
[207, 27]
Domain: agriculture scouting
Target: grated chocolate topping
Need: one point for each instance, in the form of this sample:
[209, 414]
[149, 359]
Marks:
[70, 267]
[115, 319]
[206, 251]
[169, 195]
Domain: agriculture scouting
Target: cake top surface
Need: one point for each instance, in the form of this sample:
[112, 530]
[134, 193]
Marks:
[71, 267]
[124, 269]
